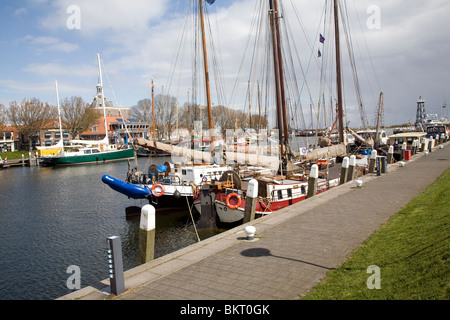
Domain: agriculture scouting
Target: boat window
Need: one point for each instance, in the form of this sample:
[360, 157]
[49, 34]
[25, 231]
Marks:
[87, 151]
[303, 189]
[95, 151]
[289, 193]
[183, 172]
[280, 194]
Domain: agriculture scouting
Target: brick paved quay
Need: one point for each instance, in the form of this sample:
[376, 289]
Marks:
[293, 249]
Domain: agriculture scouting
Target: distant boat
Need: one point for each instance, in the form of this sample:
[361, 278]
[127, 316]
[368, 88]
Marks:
[90, 152]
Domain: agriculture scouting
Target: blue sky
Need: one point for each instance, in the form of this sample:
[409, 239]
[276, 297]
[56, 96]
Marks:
[138, 39]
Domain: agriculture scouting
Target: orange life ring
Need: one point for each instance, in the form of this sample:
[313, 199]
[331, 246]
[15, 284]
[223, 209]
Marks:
[159, 186]
[233, 206]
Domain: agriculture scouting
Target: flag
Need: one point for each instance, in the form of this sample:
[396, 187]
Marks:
[319, 54]
[322, 39]
[210, 1]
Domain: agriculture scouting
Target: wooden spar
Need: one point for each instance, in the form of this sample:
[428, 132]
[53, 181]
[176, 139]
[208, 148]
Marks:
[153, 113]
[281, 79]
[276, 71]
[338, 71]
[380, 106]
[205, 61]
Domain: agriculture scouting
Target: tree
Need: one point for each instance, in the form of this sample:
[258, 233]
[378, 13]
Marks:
[3, 118]
[165, 113]
[142, 112]
[30, 116]
[77, 115]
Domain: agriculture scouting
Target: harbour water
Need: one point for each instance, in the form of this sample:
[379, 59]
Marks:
[53, 218]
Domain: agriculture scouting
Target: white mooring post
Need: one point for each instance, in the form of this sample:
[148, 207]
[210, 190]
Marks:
[146, 245]
[351, 168]
[372, 161]
[250, 201]
[344, 170]
[390, 156]
[312, 181]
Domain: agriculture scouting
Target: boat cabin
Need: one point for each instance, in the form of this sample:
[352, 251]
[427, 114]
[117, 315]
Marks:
[398, 139]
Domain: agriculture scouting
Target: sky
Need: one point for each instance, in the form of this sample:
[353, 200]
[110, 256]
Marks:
[401, 49]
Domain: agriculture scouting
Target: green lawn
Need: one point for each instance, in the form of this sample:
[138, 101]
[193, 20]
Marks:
[15, 155]
[411, 250]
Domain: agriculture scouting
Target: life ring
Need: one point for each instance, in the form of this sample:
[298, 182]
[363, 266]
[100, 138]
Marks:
[159, 186]
[233, 206]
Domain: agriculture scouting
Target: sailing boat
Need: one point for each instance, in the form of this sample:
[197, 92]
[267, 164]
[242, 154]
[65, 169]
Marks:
[51, 151]
[169, 183]
[275, 191]
[92, 152]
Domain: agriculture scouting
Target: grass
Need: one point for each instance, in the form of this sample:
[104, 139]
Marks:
[411, 250]
[15, 155]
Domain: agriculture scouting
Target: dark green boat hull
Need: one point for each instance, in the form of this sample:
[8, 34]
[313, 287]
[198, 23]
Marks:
[96, 158]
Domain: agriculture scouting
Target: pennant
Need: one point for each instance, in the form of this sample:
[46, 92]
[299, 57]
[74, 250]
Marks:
[322, 39]
[210, 1]
[319, 54]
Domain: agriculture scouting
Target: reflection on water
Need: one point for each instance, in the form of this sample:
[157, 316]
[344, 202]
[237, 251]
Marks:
[52, 218]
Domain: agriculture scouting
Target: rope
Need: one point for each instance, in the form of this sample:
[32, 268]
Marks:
[193, 222]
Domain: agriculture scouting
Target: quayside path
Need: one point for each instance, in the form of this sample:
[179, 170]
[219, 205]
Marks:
[293, 249]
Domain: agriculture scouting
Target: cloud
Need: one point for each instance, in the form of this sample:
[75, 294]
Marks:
[47, 43]
[106, 15]
[54, 69]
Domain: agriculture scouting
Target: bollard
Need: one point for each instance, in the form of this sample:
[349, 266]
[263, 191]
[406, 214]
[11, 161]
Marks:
[250, 201]
[23, 160]
[414, 147]
[442, 138]
[351, 168]
[423, 146]
[390, 155]
[312, 181]
[146, 245]
[344, 170]
[372, 161]
[402, 153]
[430, 144]
[436, 140]
[250, 232]
[115, 265]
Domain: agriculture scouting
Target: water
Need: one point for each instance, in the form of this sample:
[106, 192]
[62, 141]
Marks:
[53, 218]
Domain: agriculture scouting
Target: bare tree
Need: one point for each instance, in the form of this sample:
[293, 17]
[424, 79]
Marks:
[3, 118]
[30, 116]
[143, 111]
[77, 115]
[165, 113]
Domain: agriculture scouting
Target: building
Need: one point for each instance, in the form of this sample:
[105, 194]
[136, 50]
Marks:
[50, 134]
[9, 139]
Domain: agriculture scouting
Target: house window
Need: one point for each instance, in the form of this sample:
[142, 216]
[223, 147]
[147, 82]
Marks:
[94, 128]
[48, 135]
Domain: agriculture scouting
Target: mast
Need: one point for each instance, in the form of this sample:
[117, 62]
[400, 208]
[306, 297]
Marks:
[59, 112]
[100, 80]
[281, 76]
[205, 61]
[273, 22]
[338, 72]
[153, 113]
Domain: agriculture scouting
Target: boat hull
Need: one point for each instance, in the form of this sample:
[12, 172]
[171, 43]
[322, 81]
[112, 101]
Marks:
[97, 158]
[228, 215]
